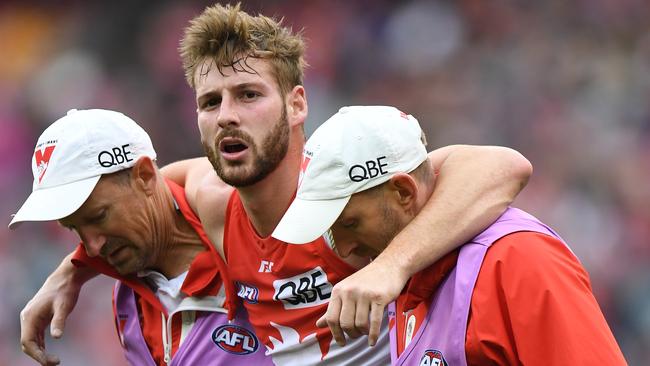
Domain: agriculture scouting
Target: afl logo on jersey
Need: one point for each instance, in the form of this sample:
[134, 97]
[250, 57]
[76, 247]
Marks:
[432, 357]
[247, 292]
[236, 340]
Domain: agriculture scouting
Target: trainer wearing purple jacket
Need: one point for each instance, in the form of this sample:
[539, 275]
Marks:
[94, 172]
[514, 294]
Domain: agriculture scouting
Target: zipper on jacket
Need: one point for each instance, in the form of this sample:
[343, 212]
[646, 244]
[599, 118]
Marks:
[409, 327]
[167, 344]
[188, 304]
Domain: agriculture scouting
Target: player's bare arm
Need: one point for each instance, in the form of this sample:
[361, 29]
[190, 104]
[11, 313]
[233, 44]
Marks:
[189, 173]
[474, 186]
[212, 197]
[206, 193]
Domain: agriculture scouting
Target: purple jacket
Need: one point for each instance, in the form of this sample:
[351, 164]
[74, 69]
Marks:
[211, 340]
[440, 340]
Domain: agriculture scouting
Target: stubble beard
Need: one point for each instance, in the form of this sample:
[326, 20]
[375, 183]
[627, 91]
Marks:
[274, 148]
[134, 263]
[392, 225]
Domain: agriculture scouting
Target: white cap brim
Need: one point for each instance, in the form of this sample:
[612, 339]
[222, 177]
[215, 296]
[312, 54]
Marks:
[306, 220]
[53, 203]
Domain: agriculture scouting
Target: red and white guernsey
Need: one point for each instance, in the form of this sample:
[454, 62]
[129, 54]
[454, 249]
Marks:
[285, 289]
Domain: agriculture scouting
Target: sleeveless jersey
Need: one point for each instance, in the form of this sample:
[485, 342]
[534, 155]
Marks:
[440, 337]
[286, 288]
[198, 332]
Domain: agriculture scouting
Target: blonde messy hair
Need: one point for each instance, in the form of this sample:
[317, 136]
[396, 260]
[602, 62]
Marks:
[229, 36]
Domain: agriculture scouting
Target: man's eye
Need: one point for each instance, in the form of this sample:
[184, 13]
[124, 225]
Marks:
[100, 217]
[350, 223]
[211, 103]
[250, 95]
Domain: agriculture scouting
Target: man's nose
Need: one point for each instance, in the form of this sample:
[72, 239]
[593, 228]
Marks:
[228, 116]
[345, 247]
[92, 241]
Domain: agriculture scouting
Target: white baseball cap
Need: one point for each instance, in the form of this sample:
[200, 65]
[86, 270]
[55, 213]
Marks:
[358, 148]
[73, 153]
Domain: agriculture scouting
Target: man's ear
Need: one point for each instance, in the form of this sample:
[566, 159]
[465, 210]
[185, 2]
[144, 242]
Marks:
[296, 104]
[406, 189]
[144, 175]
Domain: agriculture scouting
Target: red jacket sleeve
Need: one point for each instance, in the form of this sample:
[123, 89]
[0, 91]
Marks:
[533, 305]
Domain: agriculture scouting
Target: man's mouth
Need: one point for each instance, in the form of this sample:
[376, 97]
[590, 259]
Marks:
[364, 251]
[116, 251]
[232, 148]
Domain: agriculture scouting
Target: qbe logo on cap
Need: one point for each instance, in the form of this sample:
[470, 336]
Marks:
[115, 156]
[369, 169]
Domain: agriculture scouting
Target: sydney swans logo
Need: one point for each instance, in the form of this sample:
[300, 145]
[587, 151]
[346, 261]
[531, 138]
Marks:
[42, 160]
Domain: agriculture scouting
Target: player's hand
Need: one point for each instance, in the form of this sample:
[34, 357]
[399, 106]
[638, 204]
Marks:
[357, 303]
[50, 306]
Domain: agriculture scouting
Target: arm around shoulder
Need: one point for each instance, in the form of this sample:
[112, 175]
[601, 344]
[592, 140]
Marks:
[212, 198]
[190, 174]
[473, 187]
[206, 194]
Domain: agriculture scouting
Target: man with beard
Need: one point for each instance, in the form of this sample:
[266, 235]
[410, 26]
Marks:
[94, 172]
[514, 294]
[247, 73]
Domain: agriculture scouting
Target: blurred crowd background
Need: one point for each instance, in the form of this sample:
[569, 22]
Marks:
[566, 83]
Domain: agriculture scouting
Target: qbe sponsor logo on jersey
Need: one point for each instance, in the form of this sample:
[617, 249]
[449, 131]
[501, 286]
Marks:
[247, 292]
[304, 290]
[432, 357]
[236, 340]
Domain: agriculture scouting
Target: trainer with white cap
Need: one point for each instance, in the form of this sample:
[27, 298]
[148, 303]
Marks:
[94, 172]
[71, 156]
[514, 294]
[357, 149]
